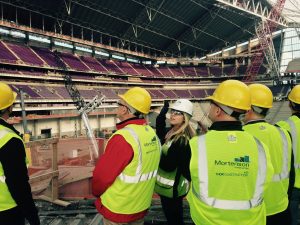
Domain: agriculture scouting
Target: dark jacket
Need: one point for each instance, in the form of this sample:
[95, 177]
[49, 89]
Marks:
[179, 153]
[12, 158]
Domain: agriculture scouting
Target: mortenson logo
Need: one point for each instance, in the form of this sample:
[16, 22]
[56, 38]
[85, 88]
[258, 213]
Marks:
[153, 142]
[243, 161]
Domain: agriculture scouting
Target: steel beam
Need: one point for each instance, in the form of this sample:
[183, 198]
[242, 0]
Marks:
[97, 9]
[180, 21]
[75, 22]
[254, 8]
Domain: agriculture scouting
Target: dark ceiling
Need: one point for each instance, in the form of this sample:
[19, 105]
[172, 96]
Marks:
[158, 27]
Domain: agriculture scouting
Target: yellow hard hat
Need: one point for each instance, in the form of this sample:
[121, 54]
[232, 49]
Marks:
[261, 95]
[232, 93]
[7, 96]
[294, 95]
[138, 98]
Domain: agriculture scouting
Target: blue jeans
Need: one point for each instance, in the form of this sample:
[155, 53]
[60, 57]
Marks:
[294, 205]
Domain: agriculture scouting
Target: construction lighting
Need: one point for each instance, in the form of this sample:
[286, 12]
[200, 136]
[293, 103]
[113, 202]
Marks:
[4, 31]
[132, 60]
[216, 53]
[39, 39]
[101, 53]
[228, 49]
[63, 44]
[17, 34]
[242, 44]
[118, 57]
[83, 49]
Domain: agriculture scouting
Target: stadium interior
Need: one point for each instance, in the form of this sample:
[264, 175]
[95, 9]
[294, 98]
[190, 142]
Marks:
[63, 55]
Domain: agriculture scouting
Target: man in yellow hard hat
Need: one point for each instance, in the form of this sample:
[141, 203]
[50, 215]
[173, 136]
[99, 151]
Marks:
[279, 143]
[125, 175]
[292, 124]
[229, 168]
[16, 201]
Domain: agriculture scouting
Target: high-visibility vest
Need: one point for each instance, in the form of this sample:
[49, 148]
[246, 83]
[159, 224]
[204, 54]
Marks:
[280, 148]
[132, 190]
[165, 180]
[292, 124]
[229, 172]
[6, 200]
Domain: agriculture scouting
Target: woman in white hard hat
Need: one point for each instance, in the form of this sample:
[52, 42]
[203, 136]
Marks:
[173, 177]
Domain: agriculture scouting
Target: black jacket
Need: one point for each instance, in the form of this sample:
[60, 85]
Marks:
[179, 153]
[12, 158]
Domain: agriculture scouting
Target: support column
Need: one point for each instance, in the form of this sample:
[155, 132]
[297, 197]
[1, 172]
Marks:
[59, 127]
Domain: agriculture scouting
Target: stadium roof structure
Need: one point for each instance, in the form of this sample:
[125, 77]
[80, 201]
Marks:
[171, 28]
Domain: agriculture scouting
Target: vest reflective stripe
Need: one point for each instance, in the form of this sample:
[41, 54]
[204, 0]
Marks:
[6, 200]
[131, 192]
[285, 158]
[294, 140]
[165, 180]
[2, 179]
[229, 204]
[138, 176]
[4, 132]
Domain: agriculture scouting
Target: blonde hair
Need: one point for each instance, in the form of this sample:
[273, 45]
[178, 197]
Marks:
[185, 130]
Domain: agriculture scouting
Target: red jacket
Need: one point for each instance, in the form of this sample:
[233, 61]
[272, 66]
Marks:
[109, 167]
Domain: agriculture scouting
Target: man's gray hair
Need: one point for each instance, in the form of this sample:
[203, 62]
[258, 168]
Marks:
[134, 111]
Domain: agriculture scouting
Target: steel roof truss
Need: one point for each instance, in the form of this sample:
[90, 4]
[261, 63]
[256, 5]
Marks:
[134, 28]
[79, 23]
[151, 30]
[68, 6]
[180, 21]
[253, 8]
[149, 13]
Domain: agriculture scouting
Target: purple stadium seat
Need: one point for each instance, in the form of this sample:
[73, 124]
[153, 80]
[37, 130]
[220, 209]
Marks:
[47, 92]
[6, 55]
[28, 90]
[73, 61]
[183, 93]
[47, 55]
[62, 91]
[143, 70]
[189, 71]
[26, 54]
[93, 64]
[201, 71]
[126, 68]
[165, 71]
[200, 93]
[110, 66]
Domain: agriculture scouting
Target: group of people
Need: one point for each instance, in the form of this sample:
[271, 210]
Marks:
[241, 171]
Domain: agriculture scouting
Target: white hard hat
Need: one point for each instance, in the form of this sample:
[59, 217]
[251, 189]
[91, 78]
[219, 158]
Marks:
[183, 105]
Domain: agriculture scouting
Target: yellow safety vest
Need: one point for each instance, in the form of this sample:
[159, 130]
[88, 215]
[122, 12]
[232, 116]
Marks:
[6, 200]
[132, 190]
[280, 148]
[165, 179]
[229, 172]
[292, 124]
